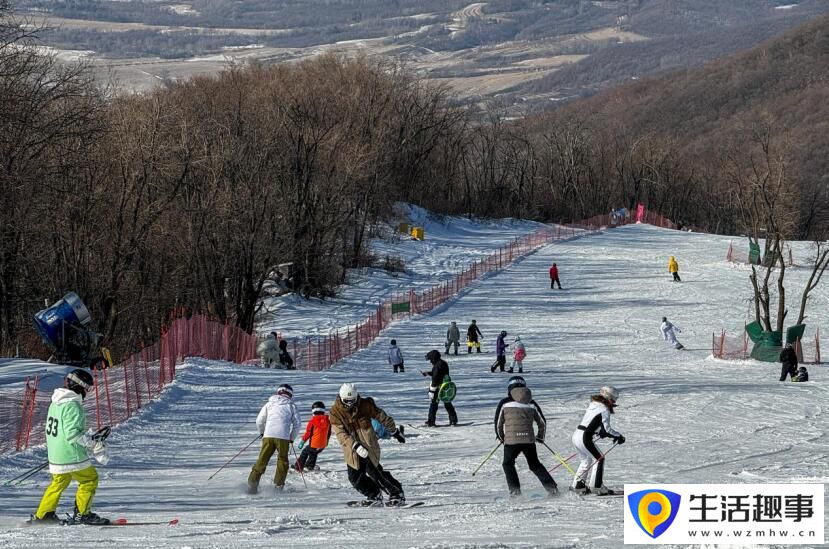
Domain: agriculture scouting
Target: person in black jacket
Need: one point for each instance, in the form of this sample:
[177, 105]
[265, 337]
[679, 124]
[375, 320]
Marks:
[472, 335]
[440, 369]
[789, 359]
[285, 359]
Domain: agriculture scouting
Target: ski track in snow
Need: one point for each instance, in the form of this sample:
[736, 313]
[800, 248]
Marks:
[687, 417]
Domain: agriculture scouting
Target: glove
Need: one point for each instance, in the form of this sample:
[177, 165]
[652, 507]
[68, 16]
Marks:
[426, 373]
[399, 436]
[539, 440]
[301, 444]
[360, 450]
[620, 439]
[99, 452]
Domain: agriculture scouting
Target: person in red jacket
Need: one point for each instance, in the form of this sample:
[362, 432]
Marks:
[554, 277]
[316, 436]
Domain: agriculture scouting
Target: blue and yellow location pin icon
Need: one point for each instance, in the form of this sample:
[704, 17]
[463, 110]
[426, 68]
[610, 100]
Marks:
[654, 510]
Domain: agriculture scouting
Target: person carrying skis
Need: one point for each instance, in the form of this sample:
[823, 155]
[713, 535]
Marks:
[500, 352]
[317, 434]
[519, 353]
[453, 337]
[669, 332]
[514, 427]
[440, 370]
[67, 446]
[395, 357]
[279, 423]
[788, 358]
[472, 335]
[351, 418]
[673, 268]
[285, 359]
[554, 277]
[596, 422]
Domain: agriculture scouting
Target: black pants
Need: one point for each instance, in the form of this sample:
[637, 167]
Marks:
[555, 281]
[370, 479]
[788, 370]
[500, 362]
[400, 366]
[308, 458]
[433, 411]
[676, 277]
[511, 452]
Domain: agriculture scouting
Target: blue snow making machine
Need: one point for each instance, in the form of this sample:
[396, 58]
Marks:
[63, 328]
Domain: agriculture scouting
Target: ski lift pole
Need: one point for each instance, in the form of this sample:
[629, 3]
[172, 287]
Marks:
[26, 474]
[562, 460]
[489, 455]
[234, 457]
[299, 466]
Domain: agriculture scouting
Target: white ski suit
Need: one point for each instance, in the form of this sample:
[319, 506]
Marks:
[596, 422]
[279, 418]
[669, 332]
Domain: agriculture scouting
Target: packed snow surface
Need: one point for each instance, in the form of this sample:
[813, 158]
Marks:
[687, 417]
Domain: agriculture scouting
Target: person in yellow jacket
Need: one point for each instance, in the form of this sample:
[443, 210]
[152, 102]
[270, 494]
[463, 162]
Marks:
[673, 268]
[67, 443]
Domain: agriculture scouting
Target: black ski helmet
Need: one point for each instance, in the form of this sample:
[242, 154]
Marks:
[394, 342]
[473, 322]
[503, 333]
[79, 381]
[433, 355]
[318, 406]
[515, 381]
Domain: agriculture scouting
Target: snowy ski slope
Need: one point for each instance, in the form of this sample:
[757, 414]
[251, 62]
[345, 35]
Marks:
[687, 417]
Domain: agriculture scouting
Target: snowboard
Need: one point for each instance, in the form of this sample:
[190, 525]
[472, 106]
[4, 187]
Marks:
[408, 505]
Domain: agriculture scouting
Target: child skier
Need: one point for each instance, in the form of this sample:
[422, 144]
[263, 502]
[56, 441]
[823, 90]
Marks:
[440, 370]
[514, 427]
[802, 375]
[673, 268]
[453, 337]
[669, 332]
[500, 352]
[395, 357]
[317, 434]
[351, 418]
[285, 359]
[67, 444]
[554, 277]
[596, 422]
[519, 353]
[278, 422]
[472, 335]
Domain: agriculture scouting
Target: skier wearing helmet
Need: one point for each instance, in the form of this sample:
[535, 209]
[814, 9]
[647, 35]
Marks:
[519, 353]
[596, 422]
[279, 423]
[472, 335]
[351, 418]
[68, 443]
[500, 352]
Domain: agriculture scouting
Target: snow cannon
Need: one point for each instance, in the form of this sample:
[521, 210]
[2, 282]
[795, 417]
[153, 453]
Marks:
[63, 328]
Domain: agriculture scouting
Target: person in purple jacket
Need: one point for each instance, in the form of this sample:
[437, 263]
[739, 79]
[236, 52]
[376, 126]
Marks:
[500, 352]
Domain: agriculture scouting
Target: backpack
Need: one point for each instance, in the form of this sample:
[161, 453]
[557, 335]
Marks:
[447, 390]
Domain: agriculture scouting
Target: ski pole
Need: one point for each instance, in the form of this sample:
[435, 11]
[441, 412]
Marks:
[560, 464]
[234, 457]
[558, 457]
[26, 474]
[300, 466]
[489, 455]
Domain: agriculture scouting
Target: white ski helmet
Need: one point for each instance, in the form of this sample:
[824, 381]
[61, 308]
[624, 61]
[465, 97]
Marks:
[349, 394]
[517, 338]
[609, 392]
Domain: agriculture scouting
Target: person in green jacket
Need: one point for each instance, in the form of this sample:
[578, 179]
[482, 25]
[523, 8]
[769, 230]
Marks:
[67, 444]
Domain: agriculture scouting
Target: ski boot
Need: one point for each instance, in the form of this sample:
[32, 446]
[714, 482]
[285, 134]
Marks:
[509, 371]
[603, 491]
[89, 518]
[396, 500]
[49, 518]
[580, 488]
[253, 488]
[429, 424]
[376, 501]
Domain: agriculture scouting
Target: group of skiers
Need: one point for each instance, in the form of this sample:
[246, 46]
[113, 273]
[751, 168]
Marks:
[788, 360]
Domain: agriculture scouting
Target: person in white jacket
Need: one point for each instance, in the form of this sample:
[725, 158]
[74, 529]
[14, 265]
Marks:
[596, 422]
[278, 423]
[395, 357]
[669, 332]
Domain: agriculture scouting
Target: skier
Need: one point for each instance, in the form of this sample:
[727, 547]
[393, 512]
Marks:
[351, 418]
[596, 421]
[500, 352]
[788, 358]
[514, 427]
[669, 332]
[673, 268]
[514, 381]
[453, 337]
[395, 357]
[802, 375]
[317, 434]
[519, 353]
[554, 277]
[472, 335]
[285, 359]
[279, 423]
[67, 444]
[440, 370]
[268, 350]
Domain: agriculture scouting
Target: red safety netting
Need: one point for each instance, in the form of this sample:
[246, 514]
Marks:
[733, 255]
[735, 347]
[120, 392]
